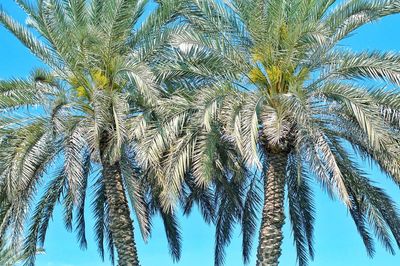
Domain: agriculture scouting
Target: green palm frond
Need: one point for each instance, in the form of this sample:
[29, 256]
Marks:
[134, 186]
[203, 197]
[371, 65]
[251, 207]
[301, 210]
[99, 214]
[42, 215]
[173, 234]
[351, 15]
[29, 40]
[228, 213]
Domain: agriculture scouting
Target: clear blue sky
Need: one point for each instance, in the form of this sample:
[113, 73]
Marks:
[336, 241]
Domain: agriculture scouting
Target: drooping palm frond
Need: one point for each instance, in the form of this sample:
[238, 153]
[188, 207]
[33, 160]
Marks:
[251, 208]
[43, 214]
[301, 210]
[134, 186]
[203, 197]
[373, 205]
[229, 212]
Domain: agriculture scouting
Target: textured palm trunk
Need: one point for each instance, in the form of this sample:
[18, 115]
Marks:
[273, 217]
[121, 225]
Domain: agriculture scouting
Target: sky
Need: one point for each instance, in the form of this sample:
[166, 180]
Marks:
[336, 239]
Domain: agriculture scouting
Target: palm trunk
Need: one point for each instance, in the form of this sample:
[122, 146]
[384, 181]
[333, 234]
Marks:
[121, 224]
[273, 217]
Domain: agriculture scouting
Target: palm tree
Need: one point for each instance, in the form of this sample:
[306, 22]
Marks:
[83, 114]
[310, 113]
[305, 108]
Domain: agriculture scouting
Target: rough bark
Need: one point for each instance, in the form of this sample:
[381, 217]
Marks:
[273, 217]
[121, 224]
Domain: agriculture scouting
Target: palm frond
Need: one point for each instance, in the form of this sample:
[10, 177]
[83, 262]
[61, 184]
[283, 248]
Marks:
[350, 15]
[42, 215]
[251, 207]
[29, 40]
[301, 209]
[173, 234]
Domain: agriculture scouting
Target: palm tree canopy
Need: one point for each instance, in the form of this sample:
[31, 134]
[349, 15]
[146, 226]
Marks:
[299, 92]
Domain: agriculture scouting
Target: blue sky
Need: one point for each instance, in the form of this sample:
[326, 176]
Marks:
[336, 241]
